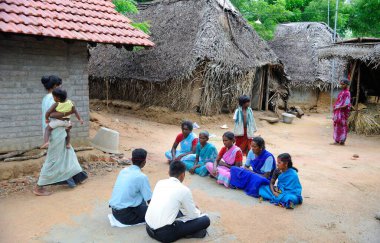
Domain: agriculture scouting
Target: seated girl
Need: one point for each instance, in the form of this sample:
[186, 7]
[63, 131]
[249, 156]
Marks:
[204, 152]
[230, 155]
[288, 191]
[262, 163]
[188, 141]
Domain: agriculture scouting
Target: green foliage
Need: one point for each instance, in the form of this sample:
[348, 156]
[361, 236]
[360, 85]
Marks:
[130, 6]
[268, 15]
[365, 20]
[125, 6]
[360, 18]
[317, 11]
[143, 26]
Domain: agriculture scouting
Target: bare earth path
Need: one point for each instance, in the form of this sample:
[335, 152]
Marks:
[341, 195]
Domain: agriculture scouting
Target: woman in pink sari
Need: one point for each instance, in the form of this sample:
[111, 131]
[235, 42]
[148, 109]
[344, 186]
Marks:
[341, 113]
[230, 155]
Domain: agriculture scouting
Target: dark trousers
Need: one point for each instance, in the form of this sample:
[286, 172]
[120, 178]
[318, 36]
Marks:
[131, 215]
[177, 230]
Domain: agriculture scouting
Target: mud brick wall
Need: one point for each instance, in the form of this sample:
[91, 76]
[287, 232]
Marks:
[23, 61]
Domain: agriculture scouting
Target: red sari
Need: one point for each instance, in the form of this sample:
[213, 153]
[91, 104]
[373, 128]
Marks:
[341, 115]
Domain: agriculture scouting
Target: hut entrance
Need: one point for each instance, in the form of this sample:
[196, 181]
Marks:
[366, 78]
[260, 89]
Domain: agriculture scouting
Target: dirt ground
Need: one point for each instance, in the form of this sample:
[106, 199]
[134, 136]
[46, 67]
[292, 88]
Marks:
[341, 195]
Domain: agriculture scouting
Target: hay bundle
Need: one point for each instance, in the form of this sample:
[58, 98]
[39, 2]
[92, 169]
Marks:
[364, 122]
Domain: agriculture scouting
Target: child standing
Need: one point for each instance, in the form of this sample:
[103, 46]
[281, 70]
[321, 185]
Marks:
[64, 106]
[245, 125]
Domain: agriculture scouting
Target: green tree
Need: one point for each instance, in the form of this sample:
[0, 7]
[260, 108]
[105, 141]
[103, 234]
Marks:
[263, 16]
[365, 18]
[130, 6]
[316, 11]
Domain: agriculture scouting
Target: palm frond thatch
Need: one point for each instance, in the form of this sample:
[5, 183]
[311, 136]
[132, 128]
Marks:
[201, 46]
[296, 44]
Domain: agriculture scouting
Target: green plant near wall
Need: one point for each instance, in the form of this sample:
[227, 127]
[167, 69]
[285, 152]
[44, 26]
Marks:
[130, 7]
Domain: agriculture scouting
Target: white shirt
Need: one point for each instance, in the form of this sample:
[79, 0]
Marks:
[170, 196]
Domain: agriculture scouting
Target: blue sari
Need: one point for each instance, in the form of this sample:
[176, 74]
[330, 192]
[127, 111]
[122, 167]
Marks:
[185, 147]
[289, 185]
[206, 154]
[250, 181]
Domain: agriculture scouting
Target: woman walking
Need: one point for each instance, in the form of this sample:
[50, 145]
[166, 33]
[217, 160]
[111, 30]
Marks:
[61, 165]
[341, 113]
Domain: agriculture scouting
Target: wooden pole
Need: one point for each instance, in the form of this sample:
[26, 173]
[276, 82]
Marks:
[267, 89]
[357, 92]
[107, 88]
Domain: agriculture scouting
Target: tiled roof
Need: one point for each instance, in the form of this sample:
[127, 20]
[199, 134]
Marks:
[84, 20]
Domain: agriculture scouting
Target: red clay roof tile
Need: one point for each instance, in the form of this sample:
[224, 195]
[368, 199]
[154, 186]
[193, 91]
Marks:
[84, 20]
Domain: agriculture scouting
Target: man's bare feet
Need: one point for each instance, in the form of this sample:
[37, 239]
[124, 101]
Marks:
[45, 145]
[68, 146]
[40, 191]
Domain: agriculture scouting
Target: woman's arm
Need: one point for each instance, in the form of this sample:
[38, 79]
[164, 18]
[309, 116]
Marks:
[58, 115]
[174, 148]
[271, 185]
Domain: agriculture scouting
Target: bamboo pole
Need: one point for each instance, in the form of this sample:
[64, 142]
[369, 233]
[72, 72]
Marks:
[107, 92]
[357, 92]
[267, 89]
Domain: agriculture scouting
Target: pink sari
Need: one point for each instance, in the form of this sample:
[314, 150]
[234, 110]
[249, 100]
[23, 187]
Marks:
[340, 117]
[223, 172]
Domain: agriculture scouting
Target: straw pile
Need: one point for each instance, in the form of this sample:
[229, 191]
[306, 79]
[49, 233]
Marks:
[364, 122]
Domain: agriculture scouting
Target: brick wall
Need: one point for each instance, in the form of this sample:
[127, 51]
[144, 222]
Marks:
[23, 60]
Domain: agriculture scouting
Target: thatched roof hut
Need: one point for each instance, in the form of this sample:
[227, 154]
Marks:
[362, 56]
[296, 44]
[206, 55]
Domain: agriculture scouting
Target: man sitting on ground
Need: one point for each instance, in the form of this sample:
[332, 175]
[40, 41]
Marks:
[169, 196]
[131, 192]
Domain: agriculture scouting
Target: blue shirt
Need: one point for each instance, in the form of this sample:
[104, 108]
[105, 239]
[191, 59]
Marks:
[267, 167]
[131, 188]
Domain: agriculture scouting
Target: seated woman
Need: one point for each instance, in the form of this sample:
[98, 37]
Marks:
[262, 163]
[229, 156]
[288, 191]
[204, 152]
[188, 141]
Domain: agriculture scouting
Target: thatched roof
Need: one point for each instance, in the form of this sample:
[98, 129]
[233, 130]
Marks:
[296, 44]
[364, 49]
[186, 33]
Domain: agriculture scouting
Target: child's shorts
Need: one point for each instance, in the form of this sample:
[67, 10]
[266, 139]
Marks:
[54, 123]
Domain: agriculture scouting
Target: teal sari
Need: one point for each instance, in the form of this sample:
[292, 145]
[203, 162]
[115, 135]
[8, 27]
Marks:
[61, 164]
[206, 154]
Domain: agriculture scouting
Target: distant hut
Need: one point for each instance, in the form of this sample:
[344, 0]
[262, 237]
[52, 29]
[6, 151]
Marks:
[206, 55]
[50, 37]
[296, 44]
[362, 58]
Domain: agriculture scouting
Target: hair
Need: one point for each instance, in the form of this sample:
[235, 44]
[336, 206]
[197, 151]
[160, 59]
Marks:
[61, 94]
[51, 81]
[229, 135]
[177, 168]
[205, 133]
[345, 81]
[285, 157]
[259, 141]
[244, 99]
[189, 125]
[139, 156]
